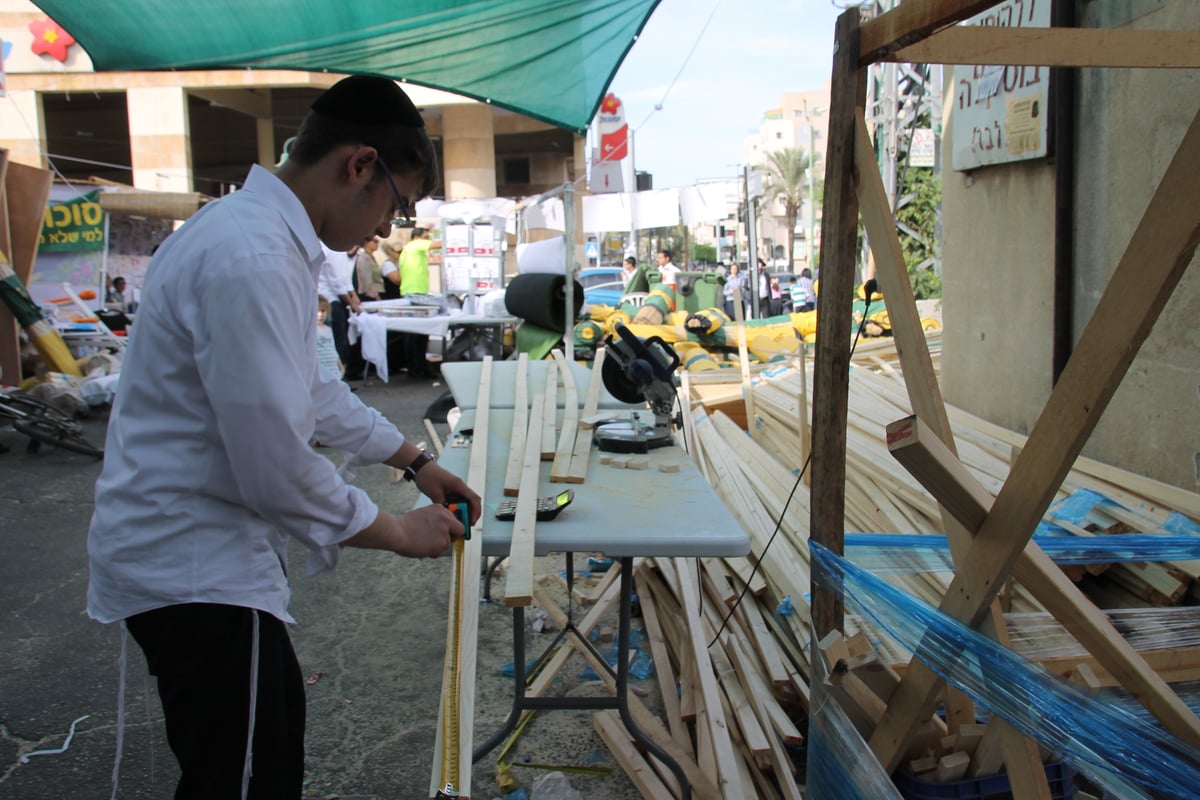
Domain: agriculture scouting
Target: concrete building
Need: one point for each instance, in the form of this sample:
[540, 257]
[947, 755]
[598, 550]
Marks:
[800, 121]
[1000, 288]
[201, 131]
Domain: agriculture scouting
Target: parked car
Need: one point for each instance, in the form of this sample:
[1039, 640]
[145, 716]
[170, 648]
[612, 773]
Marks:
[601, 286]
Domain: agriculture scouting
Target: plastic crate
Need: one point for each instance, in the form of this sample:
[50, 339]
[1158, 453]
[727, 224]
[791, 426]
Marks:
[1059, 774]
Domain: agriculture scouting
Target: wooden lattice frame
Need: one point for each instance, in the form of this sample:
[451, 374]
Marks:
[996, 543]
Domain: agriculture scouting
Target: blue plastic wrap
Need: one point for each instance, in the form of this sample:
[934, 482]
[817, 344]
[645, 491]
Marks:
[911, 553]
[840, 765]
[1119, 751]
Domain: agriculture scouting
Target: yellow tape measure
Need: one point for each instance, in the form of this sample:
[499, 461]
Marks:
[450, 720]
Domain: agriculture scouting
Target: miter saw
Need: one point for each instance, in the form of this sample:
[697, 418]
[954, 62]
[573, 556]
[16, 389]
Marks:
[638, 370]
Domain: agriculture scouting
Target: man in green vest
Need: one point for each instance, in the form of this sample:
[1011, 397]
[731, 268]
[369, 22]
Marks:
[414, 280]
[414, 263]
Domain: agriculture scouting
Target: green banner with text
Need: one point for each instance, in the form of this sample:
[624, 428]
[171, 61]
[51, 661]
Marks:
[73, 225]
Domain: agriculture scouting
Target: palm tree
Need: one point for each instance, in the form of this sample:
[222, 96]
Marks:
[787, 180]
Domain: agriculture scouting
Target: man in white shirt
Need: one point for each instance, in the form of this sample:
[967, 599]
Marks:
[208, 470]
[668, 270]
[335, 284]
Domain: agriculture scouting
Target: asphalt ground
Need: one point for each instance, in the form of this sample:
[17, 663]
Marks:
[370, 639]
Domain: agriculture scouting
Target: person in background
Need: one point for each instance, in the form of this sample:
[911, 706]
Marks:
[336, 285]
[735, 282]
[330, 365]
[208, 472]
[390, 270]
[764, 290]
[414, 262]
[414, 279]
[115, 298]
[627, 269]
[365, 270]
[776, 304]
[804, 295]
[667, 269]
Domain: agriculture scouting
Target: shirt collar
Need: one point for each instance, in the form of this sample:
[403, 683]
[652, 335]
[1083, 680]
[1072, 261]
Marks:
[264, 182]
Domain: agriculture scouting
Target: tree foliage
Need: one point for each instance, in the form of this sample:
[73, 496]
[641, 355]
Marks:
[787, 179]
[917, 218]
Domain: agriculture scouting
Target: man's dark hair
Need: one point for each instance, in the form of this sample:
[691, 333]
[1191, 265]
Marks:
[404, 148]
[666, 253]
[419, 232]
[631, 261]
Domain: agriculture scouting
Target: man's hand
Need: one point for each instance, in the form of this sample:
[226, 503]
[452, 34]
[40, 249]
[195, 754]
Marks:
[438, 483]
[426, 532]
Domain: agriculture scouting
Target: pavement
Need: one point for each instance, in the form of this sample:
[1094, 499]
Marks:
[370, 638]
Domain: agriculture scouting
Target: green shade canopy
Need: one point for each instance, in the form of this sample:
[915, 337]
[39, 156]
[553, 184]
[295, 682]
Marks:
[548, 59]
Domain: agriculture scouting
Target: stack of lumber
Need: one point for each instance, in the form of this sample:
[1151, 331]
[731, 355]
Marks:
[730, 637]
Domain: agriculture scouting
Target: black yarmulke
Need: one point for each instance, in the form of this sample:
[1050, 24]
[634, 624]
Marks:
[368, 100]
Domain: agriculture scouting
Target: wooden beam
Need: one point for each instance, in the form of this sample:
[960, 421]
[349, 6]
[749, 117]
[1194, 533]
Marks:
[518, 583]
[1055, 47]
[582, 452]
[1162, 246]
[550, 411]
[910, 22]
[839, 251]
[570, 425]
[520, 432]
[458, 669]
[948, 480]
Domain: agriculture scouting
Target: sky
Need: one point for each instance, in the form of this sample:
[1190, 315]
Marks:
[751, 52]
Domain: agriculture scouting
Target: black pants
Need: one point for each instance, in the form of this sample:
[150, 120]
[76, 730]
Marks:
[350, 354]
[200, 653]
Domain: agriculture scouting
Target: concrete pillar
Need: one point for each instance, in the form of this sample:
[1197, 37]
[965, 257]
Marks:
[469, 150]
[160, 138]
[268, 153]
[23, 128]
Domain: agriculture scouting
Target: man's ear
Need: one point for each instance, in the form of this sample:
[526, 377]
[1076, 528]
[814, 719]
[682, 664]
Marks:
[361, 162]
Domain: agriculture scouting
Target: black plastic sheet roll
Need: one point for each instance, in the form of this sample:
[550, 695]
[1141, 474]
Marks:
[539, 298]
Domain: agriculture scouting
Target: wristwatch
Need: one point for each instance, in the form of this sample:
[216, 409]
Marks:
[410, 472]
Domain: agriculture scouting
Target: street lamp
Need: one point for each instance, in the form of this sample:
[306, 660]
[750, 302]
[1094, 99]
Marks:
[812, 166]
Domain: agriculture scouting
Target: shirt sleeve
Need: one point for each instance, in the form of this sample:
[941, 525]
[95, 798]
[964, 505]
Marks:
[257, 363]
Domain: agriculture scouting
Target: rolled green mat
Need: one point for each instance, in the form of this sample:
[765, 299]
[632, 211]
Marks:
[588, 333]
[536, 340]
[538, 298]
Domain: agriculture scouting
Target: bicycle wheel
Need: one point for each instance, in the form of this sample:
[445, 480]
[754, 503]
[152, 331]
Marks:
[55, 433]
[23, 406]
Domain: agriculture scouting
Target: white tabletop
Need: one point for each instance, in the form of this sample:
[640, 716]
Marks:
[618, 512]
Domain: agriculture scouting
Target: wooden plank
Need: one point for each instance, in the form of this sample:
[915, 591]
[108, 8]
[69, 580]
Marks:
[744, 364]
[550, 412]
[570, 424]
[910, 22]
[664, 672]
[1055, 47]
[520, 429]
[711, 716]
[839, 255]
[932, 463]
[434, 437]
[458, 670]
[518, 583]
[619, 743]
[1027, 776]
[26, 192]
[583, 438]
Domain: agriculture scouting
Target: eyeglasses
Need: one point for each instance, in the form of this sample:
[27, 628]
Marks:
[403, 218]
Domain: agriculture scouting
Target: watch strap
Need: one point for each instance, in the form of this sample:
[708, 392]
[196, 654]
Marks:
[410, 472]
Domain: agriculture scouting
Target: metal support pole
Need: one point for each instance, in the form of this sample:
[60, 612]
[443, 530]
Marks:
[569, 270]
[752, 239]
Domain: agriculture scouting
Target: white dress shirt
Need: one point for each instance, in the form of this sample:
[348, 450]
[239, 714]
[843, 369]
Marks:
[208, 470]
[669, 273]
[336, 276]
